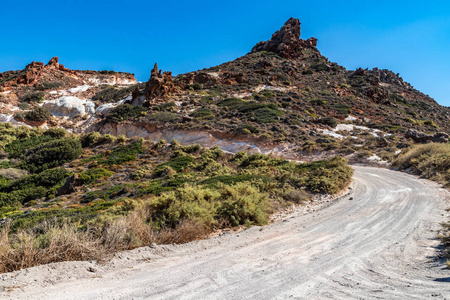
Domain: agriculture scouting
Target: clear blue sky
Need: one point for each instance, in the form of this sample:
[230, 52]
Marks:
[408, 37]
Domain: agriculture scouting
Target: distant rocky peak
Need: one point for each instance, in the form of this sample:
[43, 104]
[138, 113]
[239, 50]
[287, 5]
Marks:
[286, 42]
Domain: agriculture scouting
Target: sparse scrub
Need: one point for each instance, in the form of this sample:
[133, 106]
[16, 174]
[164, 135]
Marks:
[430, 161]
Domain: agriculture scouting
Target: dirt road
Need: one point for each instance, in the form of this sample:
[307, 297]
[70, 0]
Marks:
[376, 243]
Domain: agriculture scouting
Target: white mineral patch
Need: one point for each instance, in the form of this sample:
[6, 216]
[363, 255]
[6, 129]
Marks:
[350, 118]
[69, 106]
[332, 134]
[79, 89]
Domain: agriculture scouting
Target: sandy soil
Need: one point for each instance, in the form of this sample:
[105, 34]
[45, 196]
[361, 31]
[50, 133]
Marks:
[379, 242]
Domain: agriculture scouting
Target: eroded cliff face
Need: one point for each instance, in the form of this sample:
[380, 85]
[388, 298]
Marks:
[224, 141]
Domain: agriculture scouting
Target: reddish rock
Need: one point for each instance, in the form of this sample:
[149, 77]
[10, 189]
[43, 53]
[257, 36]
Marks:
[286, 41]
[158, 86]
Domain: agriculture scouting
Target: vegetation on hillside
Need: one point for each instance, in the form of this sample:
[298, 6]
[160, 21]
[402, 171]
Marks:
[66, 202]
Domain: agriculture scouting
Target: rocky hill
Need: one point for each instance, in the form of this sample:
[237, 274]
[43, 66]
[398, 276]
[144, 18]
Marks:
[95, 162]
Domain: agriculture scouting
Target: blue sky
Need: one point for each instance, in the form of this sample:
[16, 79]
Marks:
[408, 37]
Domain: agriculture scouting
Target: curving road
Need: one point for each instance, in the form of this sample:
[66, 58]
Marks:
[376, 243]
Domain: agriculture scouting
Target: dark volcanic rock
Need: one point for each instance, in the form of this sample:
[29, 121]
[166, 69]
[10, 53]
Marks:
[286, 41]
[420, 137]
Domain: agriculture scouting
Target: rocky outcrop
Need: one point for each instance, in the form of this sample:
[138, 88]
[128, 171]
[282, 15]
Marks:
[157, 87]
[37, 73]
[389, 77]
[421, 137]
[286, 41]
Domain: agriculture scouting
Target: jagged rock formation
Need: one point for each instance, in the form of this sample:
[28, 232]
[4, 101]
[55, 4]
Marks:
[157, 87]
[286, 42]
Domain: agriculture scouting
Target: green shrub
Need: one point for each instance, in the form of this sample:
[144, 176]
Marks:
[36, 97]
[165, 106]
[52, 154]
[195, 86]
[203, 113]
[125, 112]
[243, 204]
[17, 148]
[37, 114]
[318, 102]
[262, 112]
[112, 94]
[177, 163]
[90, 138]
[92, 175]
[32, 187]
[330, 121]
[48, 86]
[124, 154]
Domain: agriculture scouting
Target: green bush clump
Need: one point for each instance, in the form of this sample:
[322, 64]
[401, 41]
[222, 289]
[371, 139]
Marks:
[17, 148]
[237, 204]
[243, 205]
[318, 102]
[326, 176]
[330, 121]
[124, 154]
[165, 106]
[262, 112]
[36, 97]
[112, 94]
[48, 86]
[203, 114]
[233, 179]
[342, 109]
[33, 186]
[37, 114]
[92, 175]
[91, 138]
[52, 154]
[178, 164]
[194, 87]
[125, 112]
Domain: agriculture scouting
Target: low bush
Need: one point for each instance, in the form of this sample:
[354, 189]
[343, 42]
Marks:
[113, 94]
[330, 121]
[92, 175]
[37, 114]
[125, 112]
[429, 160]
[178, 164]
[203, 114]
[36, 97]
[125, 153]
[52, 154]
[262, 112]
[48, 86]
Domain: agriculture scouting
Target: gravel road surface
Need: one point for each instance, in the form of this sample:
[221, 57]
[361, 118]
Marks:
[378, 242]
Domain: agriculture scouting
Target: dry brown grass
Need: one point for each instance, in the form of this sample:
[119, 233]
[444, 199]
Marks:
[50, 242]
[430, 161]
